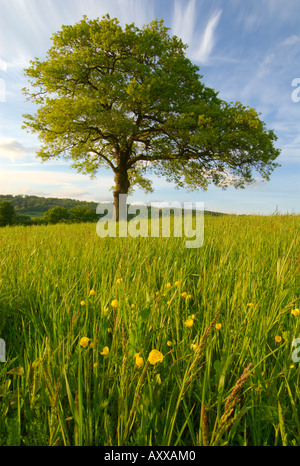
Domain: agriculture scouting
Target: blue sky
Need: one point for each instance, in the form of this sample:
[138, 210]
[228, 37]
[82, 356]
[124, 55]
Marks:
[247, 50]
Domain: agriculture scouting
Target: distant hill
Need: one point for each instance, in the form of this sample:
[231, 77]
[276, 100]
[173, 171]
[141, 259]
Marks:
[36, 206]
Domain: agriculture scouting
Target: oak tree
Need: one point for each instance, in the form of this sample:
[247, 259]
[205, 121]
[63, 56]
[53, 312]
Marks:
[130, 100]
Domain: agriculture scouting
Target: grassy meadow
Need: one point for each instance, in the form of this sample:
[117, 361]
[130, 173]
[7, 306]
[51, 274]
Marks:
[81, 314]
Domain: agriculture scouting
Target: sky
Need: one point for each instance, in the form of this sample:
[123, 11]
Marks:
[248, 51]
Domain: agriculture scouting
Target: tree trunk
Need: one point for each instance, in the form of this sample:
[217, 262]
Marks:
[121, 187]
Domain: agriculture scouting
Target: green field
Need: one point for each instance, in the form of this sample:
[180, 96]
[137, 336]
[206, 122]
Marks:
[220, 316]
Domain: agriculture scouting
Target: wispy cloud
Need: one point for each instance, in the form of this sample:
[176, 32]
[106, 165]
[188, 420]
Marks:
[184, 21]
[291, 40]
[183, 25]
[208, 39]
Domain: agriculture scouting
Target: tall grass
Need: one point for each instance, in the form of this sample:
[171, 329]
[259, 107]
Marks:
[230, 385]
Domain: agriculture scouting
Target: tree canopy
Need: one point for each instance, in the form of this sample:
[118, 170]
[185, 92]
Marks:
[56, 215]
[7, 213]
[130, 100]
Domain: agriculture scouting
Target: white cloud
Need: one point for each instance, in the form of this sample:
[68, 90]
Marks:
[129, 11]
[183, 26]
[3, 65]
[12, 149]
[184, 21]
[291, 40]
[70, 194]
[208, 39]
[62, 183]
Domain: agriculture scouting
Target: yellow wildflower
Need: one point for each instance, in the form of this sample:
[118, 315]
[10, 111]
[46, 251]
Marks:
[169, 343]
[119, 280]
[92, 292]
[138, 360]
[114, 303]
[155, 356]
[105, 351]
[218, 326]
[184, 294]
[194, 346]
[84, 341]
[278, 338]
[177, 283]
[96, 365]
[105, 310]
[189, 322]
[82, 303]
[168, 285]
[132, 306]
[250, 304]
[295, 312]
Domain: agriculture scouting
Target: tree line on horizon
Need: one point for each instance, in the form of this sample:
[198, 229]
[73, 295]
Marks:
[18, 210]
[25, 204]
[55, 214]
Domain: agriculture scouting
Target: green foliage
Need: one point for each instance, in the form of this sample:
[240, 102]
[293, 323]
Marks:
[83, 214]
[131, 101]
[7, 213]
[56, 215]
[55, 392]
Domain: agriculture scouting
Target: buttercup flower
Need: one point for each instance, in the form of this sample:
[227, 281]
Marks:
[168, 285]
[177, 283]
[105, 310]
[194, 346]
[105, 351]
[295, 312]
[155, 356]
[92, 292]
[84, 341]
[132, 306]
[189, 322]
[82, 303]
[114, 303]
[184, 294]
[119, 280]
[169, 343]
[250, 304]
[278, 338]
[218, 326]
[138, 360]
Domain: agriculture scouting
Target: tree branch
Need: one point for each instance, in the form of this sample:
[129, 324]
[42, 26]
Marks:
[104, 158]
